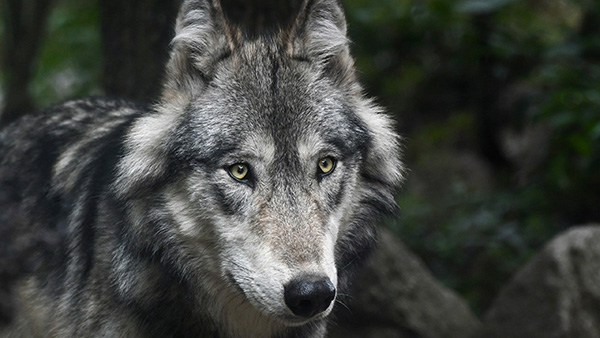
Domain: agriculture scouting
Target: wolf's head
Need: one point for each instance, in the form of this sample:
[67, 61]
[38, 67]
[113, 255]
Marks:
[264, 169]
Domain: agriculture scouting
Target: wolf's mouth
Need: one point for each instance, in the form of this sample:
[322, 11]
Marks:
[290, 320]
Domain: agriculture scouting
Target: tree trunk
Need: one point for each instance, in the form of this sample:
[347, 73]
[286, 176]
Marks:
[485, 94]
[24, 22]
[135, 39]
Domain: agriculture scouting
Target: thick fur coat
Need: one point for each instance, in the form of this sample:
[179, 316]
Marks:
[262, 166]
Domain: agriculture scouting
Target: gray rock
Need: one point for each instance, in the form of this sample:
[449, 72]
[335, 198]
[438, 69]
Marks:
[396, 297]
[555, 295]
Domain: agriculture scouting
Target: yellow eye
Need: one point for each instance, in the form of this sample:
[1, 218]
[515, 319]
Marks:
[326, 165]
[238, 171]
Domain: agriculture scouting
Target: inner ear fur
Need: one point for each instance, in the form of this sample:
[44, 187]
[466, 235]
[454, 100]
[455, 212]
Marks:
[202, 37]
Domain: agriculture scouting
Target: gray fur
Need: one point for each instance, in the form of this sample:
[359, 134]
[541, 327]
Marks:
[157, 239]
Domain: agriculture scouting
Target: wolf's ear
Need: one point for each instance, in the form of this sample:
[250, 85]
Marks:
[202, 37]
[319, 34]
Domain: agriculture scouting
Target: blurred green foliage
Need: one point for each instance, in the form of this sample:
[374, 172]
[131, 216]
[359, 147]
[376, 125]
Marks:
[539, 62]
[441, 67]
[70, 56]
[571, 108]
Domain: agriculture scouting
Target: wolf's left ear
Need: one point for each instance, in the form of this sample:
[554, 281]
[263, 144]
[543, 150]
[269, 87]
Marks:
[202, 37]
[319, 35]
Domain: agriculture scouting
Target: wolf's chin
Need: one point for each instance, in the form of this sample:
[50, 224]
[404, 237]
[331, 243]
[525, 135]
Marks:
[293, 321]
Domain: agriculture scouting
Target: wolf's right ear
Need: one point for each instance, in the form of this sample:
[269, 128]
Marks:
[319, 35]
[202, 37]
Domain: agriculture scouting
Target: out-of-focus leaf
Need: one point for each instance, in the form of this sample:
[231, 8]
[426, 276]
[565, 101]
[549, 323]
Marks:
[481, 6]
[70, 57]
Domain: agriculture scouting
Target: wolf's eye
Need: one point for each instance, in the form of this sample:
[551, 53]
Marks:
[326, 165]
[239, 171]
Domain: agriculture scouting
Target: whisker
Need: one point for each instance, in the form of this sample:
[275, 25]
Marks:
[344, 305]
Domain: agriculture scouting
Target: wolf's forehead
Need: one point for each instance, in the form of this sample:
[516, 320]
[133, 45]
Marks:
[271, 137]
[267, 104]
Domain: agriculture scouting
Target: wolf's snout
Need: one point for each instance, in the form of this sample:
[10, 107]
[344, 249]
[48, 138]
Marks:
[309, 295]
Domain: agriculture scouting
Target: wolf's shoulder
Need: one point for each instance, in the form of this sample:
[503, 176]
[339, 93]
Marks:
[76, 134]
[67, 121]
[77, 113]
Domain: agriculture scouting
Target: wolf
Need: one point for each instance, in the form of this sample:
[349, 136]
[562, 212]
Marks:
[239, 205]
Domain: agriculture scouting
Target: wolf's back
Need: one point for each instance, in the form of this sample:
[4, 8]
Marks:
[49, 159]
[55, 166]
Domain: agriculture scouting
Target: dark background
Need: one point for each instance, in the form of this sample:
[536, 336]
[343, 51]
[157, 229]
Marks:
[498, 102]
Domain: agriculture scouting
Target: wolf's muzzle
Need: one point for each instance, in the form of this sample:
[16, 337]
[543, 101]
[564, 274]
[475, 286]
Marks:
[309, 295]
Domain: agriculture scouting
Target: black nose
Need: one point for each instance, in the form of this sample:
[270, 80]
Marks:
[308, 296]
